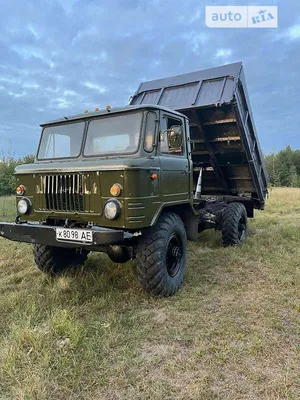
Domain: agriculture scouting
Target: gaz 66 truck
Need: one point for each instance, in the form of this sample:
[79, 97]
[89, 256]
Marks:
[137, 182]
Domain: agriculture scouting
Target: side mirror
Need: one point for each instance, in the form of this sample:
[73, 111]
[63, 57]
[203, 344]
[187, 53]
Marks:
[175, 134]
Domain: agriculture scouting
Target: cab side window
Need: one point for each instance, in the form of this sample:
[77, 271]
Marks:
[166, 145]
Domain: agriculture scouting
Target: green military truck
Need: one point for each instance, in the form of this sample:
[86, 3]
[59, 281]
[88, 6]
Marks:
[137, 182]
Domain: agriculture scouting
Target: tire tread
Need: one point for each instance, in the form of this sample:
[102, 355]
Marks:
[230, 220]
[150, 253]
[54, 260]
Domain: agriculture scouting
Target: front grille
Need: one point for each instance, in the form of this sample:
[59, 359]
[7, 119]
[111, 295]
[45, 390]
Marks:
[64, 192]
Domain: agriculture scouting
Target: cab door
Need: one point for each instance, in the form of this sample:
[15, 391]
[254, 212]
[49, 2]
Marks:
[174, 163]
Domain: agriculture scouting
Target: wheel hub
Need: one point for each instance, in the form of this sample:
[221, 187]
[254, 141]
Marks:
[174, 255]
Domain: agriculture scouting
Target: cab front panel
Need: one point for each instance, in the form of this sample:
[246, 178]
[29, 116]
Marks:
[81, 196]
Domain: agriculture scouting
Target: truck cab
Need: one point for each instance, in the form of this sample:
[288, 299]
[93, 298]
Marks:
[136, 157]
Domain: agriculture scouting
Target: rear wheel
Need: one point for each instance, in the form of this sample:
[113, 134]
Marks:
[55, 260]
[234, 224]
[161, 256]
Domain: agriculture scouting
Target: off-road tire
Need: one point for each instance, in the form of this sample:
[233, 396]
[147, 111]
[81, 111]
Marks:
[55, 260]
[234, 224]
[161, 256]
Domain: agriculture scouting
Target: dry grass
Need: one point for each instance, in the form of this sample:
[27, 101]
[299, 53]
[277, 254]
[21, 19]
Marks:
[232, 332]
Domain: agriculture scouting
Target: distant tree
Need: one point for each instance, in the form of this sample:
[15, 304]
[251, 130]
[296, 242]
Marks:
[285, 163]
[296, 160]
[270, 161]
[7, 168]
[295, 178]
[284, 167]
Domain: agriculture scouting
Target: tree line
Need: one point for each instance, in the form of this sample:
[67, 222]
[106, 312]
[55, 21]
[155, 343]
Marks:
[283, 168]
[7, 167]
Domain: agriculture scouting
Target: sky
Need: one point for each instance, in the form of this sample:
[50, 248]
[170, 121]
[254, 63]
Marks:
[60, 57]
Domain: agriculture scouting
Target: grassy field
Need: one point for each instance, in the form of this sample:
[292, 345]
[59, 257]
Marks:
[232, 332]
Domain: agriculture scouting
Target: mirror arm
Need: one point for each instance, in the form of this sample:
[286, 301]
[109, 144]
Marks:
[192, 144]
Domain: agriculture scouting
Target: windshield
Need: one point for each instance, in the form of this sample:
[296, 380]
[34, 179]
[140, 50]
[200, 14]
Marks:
[117, 134]
[61, 141]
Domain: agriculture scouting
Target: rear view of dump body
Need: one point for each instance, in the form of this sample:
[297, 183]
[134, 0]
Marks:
[221, 126]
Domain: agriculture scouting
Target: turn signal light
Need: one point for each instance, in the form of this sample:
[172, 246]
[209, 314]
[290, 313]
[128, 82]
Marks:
[20, 190]
[154, 176]
[115, 190]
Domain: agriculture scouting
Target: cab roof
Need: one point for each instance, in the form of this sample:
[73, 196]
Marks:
[94, 114]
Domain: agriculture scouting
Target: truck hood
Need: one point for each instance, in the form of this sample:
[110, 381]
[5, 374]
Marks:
[87, 165]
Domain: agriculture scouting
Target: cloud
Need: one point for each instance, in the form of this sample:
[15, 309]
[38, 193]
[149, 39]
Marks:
[30, 85]
[33, 31]
[52, 90]
[61, 103]
[69, 55]
[17, 95]
[27, 51]
[10, 80]
[195, 17]
[93, 86]
[196, 40]
[223, 53]
[70, 93]
[293, 33]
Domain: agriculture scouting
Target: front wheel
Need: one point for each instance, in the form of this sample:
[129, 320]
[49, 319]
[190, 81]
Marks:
[161, 256]
[55, 260]
[234, 224]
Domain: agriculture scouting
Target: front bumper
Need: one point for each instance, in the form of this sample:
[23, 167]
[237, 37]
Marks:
[45, 234]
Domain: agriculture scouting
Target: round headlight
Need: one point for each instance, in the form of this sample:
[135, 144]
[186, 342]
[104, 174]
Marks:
[24, 206]
[112, 209]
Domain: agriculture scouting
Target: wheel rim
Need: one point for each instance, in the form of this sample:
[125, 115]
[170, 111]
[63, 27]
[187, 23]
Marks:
[174, 255]
[242, 229]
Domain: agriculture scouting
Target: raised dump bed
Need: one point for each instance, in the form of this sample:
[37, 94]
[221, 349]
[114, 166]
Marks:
[226, 146]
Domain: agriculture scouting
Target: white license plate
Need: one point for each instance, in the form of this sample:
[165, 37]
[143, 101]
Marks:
[74, 235]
